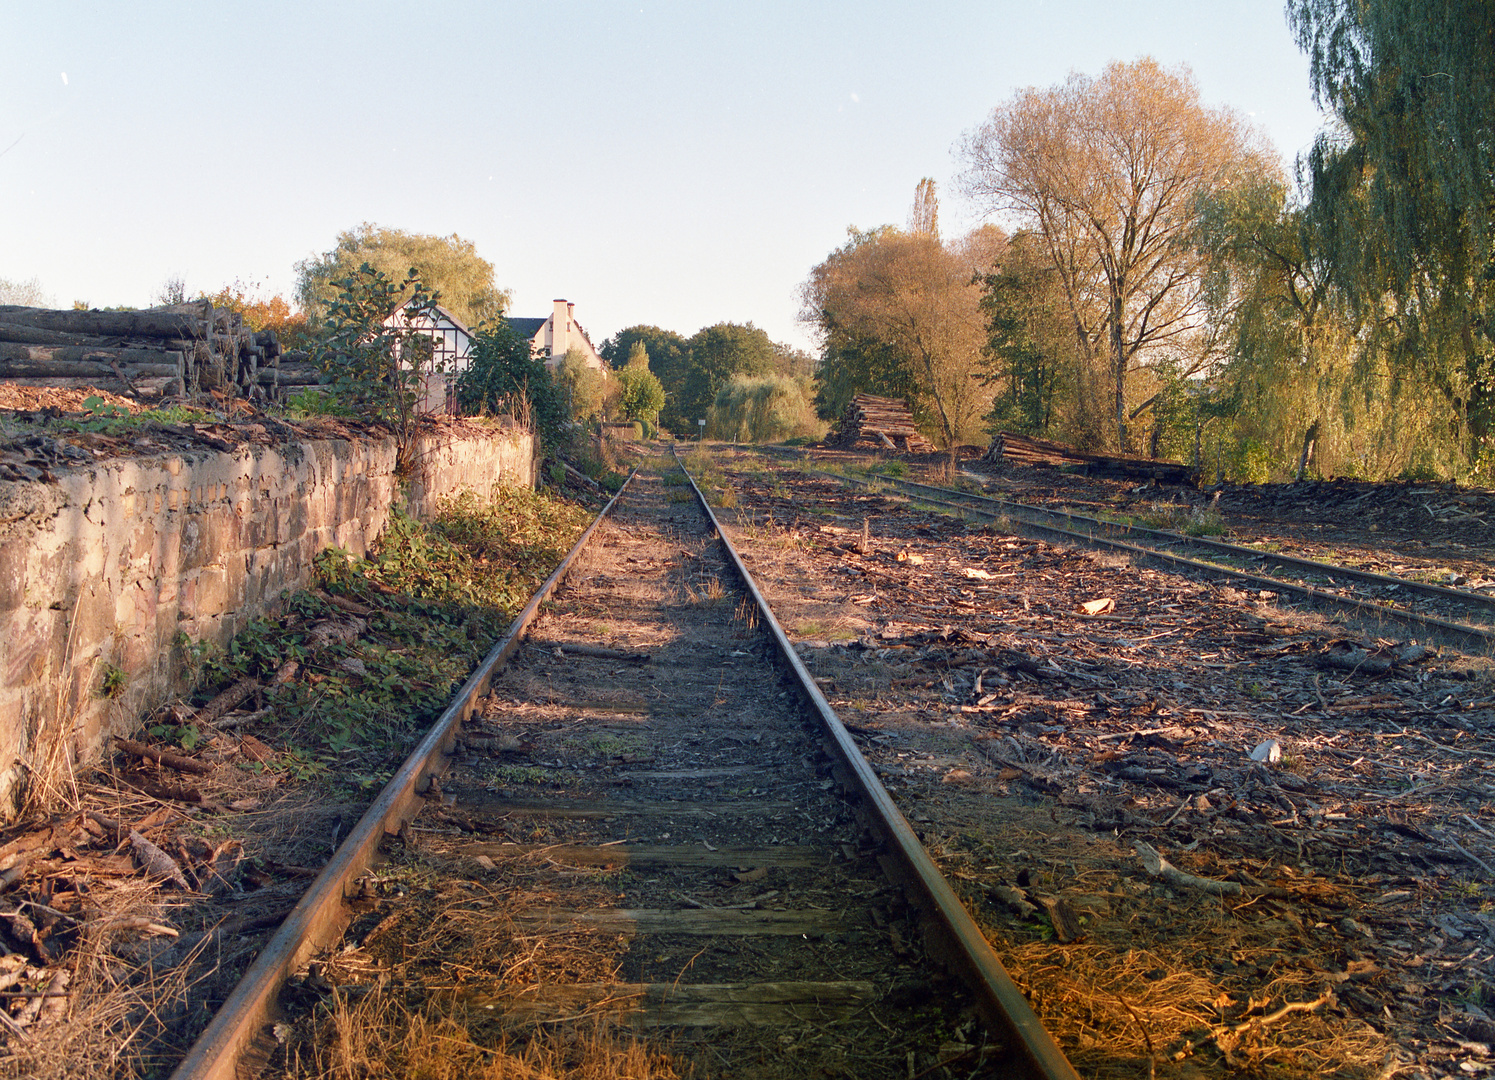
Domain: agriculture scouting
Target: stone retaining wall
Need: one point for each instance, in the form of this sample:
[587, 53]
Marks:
[101, 572]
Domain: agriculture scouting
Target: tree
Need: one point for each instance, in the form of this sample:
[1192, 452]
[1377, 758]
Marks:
[1108, 172]
[27, 293]
[763, 409]
[1403, 188]
[505, 375]
[274, 314]
[924, 218]
[901, 309]
[640, 394]
[448, 265]
[375, 369]
[584, 388]
[716, 353]
[1042, 386]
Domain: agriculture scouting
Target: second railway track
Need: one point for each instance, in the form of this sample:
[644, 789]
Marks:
[1461, 616]
[647, 824]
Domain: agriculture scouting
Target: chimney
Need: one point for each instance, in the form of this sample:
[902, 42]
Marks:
[559, 320]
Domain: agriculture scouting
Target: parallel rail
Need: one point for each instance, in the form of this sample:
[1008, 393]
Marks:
[321, 916]
[953, 934]
[1096, 531]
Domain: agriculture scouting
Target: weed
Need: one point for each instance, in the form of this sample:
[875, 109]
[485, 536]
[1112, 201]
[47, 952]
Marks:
[114, 682]
[443, 593]
[522, 774]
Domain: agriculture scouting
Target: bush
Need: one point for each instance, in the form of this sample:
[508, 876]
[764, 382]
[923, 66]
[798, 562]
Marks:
[763, 409]
[505, 376]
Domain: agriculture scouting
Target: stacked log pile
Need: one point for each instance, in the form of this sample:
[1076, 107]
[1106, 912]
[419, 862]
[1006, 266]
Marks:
[878, 423]
[147, 354]
[1025, 450]
[294, 371]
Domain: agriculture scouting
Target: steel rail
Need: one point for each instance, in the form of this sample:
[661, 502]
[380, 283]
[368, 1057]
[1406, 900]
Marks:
[1168, 536]
[1475, 635]
[319, 918]
[956, 937]
[1025, 511]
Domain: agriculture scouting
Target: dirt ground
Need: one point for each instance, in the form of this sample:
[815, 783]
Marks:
[1324, 902]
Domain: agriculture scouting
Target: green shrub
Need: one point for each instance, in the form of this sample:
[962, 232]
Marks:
[763, 409]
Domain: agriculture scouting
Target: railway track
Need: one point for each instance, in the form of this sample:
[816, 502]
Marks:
[1371, 597]
[641, 814]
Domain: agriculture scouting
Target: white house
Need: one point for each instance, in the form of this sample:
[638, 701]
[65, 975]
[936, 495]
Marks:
[451, 344]
[553, 336]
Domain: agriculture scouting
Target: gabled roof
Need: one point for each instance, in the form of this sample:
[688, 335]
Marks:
[439, 311]
[527, 327]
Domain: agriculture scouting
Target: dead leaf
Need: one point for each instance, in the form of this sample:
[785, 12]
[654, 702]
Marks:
[977, 574]
[1098, 607]
[155, 862]
[255, 750]
[1064, 918]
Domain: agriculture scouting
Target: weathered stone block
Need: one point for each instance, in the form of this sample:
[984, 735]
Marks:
[13, 559]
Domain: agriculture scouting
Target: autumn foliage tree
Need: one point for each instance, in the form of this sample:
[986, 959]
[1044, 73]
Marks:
[1107, 171]
[898, 312]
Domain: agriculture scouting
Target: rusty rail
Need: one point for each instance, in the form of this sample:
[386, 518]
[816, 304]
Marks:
[953, 934]
[320, 917]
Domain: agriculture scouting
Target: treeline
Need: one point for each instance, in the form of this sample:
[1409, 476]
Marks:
[732, 375]
[1164, 289]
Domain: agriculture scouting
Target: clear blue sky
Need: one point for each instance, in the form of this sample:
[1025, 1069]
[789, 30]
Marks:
[679, 164]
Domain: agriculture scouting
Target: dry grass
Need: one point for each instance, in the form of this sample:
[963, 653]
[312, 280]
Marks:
[129, 995]
[1142, 1012]
[412, 1017]
[379, 1036]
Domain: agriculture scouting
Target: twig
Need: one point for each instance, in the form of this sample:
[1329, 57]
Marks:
[1152, 1056]
[1277, 1014]
[1451, 842]
[1179, 810]
[1157, 866]
[1478, 827]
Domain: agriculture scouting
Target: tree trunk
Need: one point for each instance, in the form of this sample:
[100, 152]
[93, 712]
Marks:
[1309, 438]
[173, 322]
[1118, 364]
[81, 354]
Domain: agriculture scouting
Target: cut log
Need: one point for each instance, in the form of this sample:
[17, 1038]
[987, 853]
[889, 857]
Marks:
[878, 423]
[1026, 450]
[35, 335]
[152, 386]
[84, 369]
[177, 321]
[85, 354]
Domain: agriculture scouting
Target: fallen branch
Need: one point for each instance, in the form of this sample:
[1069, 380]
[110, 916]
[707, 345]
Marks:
[1157, 866]
[227, 700]
[1277, 1014]
[163, 757]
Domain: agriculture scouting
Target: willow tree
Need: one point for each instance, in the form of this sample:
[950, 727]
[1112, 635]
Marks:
[448, 264]
[1403, 187]
[1107, 171]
